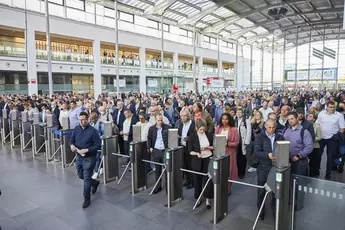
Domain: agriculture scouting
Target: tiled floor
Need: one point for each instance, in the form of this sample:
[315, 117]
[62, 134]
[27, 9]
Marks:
[41, 196]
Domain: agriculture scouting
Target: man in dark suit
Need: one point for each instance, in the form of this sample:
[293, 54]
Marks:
[264, 149]
[119, 118]
[127, 131]
[55, 110]
[157, 143]
[185, 129]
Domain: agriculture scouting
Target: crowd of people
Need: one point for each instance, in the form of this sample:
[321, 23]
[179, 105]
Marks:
[252, 121]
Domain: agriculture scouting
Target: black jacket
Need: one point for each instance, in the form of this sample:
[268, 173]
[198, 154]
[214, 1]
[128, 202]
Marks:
[152, 136]
[194, 145]
[121, 118]
[191, 130]
[262, 147]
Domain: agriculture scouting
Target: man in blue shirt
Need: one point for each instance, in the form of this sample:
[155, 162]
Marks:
[85, 142]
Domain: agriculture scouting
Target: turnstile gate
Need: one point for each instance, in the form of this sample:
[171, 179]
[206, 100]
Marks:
[67, 156]
[174, 163]
[138, 153]
[5, 128]
[110, 161]
[219, 169]
[15, 133]
[38, 140]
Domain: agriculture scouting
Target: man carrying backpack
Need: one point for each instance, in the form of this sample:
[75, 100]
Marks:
[301, 144]
[304, 122]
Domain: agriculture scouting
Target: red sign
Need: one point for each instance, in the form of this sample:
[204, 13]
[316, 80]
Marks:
[208, 81]
[175, 88]
[33, 81]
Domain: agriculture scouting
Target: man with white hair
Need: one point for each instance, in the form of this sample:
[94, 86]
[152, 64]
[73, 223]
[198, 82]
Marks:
[153, 111]
[104, 116]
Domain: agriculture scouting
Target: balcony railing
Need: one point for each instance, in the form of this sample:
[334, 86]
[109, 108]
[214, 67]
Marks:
[122, 61]
[158, 65]
[62, 56]
[210, 69]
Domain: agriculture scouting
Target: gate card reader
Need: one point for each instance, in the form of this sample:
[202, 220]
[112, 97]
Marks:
[219, 142]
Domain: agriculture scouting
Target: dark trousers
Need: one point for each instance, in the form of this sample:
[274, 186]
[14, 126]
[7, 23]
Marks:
[200, 181]
[85, 167]
[158, 156]
[262, 175]
[187, 165]
[332, 149]
[314, 163]
[121, 145]
[241, 161]
[126, 149]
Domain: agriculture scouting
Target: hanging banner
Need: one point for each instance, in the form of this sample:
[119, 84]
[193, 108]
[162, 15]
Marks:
[315, 74]
[152, 83]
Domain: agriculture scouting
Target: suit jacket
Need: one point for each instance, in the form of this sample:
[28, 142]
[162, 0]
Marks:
[152, 136]
[56, 111]
[191, 130]
[122, 118]
[194, 145]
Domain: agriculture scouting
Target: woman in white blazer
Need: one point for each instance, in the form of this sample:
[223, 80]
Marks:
[245, 131]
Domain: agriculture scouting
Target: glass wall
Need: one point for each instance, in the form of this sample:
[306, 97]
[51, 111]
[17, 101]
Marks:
[62, 83]
[12, 46]
[13, 82]
[126, 83]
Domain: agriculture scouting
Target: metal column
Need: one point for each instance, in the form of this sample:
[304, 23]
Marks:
[309, 57]
[251, 67]
[284, 56]
[338, 49]
[236, 76]
[323, 54]
[117, 48]
[272, 67]
[194, 59]
[296, 58]
[262, 65]
[162, 48]
[218, 56]
[50, 75]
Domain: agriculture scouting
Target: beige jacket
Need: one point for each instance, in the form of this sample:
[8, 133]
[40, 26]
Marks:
[318, 136]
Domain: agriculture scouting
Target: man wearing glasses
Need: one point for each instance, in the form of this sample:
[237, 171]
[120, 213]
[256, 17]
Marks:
[331, 122]
[85, 142]
[145, 126]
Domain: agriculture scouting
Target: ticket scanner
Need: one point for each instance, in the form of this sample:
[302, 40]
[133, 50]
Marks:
[25, 132]
[5, 134]
[110, 161]
[138, 157]
[15, 129]
[38, 139]
[174, 163]
[218, 170]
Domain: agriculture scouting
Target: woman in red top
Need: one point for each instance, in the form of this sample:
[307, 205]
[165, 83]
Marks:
[227, 128]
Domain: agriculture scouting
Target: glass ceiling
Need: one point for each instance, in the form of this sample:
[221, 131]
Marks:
[247, 21]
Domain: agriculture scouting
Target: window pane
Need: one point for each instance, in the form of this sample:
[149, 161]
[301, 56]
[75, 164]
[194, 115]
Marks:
[152, 24]
[166, 27]
[75, 4]
[190, 34]
[99, 10]
[126, 17]
[213, 41]
[109, 12]
[183, 32]
[60, 2]
[206, 39]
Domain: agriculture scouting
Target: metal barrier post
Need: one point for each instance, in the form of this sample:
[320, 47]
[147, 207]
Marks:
[48, 136]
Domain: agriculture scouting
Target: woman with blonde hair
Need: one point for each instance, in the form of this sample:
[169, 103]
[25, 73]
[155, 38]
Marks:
[257, 122]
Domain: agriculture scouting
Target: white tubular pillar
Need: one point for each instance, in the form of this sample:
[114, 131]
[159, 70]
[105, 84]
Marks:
[31, 59]
[200, 76]
[97, 75]
[142, 77]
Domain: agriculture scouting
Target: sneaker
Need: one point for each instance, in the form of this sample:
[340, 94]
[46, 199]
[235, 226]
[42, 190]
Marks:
[86, 202]
[95, 176]
[251, 169]
[101, 171]
[94, 187]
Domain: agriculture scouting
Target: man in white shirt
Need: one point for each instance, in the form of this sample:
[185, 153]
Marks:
[127, 131]
[265, 110]
[145, 126]
[331, 122]
[283, 116]
[185, 129]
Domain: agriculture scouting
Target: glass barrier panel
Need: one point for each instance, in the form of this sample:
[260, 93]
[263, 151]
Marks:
[81, 87]
[16, 87]
[12, 49]
[320, 204]
[63, 56]
[56, 87]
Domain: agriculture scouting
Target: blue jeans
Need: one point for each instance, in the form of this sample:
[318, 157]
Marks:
[85, 167]
[98, 160]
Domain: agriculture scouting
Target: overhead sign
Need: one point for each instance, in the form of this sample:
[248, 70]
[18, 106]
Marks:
[315, 74]
[122, 83]
[217, 83]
